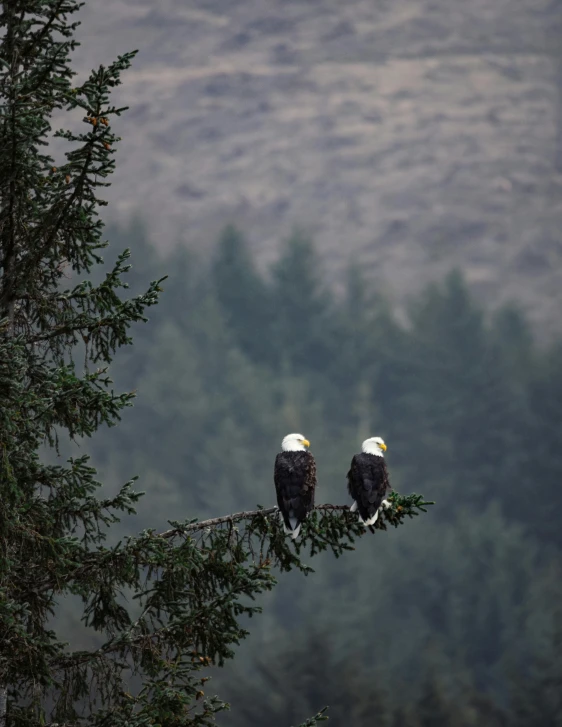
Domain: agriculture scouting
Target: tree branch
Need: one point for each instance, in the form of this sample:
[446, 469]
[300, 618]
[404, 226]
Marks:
[121, 643]
[235, 517]
[126, 641]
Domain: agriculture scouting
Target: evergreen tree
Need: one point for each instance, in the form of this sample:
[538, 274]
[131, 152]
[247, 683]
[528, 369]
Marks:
[511, 333]
[404, 717]
[243, 295]
[288, 682]
[189, 587]
[303, 323]
[451, 379]
[537, 690]
[539, 451]
[433, 709]
[471, 579]
[366, 336]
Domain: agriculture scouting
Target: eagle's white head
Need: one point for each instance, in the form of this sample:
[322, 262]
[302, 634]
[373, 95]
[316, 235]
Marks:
[374, 445]
[294, 443]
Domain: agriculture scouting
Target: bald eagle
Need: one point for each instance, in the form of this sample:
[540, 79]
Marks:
[295, 481]
[367, 481]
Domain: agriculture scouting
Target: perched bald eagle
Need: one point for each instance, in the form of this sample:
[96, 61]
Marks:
[367, 481]
[295, 481]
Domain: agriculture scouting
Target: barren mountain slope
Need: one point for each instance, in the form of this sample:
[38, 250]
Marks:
[413, 135]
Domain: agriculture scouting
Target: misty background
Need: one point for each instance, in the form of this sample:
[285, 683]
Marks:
[359, 208]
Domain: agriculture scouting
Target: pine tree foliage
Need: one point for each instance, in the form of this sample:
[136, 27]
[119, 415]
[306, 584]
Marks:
[243, 295]
[468, 405]
[164, 606]
[537, 692]
[302, 304]
[476, 577]
[301, 673]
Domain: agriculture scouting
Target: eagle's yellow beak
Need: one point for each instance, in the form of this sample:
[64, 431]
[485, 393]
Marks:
[383, 447]
[305, 442]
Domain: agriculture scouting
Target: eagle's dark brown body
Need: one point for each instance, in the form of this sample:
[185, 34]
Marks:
[295, 482]
[368, 484]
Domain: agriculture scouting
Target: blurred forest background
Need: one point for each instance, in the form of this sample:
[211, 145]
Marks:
[408, 138]
[455, 619]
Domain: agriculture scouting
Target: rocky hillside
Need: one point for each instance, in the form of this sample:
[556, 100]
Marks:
[412, 135]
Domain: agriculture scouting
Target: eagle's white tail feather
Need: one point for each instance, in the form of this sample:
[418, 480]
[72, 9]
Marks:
[370, 521]
[353, 508]
[386, 504]
[295, 528]
[292, 531]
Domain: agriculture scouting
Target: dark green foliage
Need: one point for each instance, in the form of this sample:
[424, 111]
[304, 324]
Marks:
[540, 452]
[290, 679]
[287, 683]
[318, 717]
[537, 690]
[432, 708]
[302, 329]
[436, 623]
[356, 365]
[243, 296]
[451, 378]
[466, 594]
[157, 609]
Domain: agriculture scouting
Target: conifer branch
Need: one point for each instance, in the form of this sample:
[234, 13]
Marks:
[402, 506]
[235, 517]
[166, 605]
[321, 716]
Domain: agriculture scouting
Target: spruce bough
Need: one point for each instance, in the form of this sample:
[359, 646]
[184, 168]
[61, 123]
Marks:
[186, 589]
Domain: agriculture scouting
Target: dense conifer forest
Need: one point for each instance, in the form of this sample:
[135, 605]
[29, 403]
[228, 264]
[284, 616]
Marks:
[116, 610]
[454, 620]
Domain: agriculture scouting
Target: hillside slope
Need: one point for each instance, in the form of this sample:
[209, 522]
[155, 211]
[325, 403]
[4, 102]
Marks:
[412, 135]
